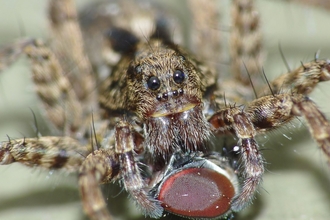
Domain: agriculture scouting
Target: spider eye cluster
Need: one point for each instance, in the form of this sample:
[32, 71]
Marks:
[154, 82]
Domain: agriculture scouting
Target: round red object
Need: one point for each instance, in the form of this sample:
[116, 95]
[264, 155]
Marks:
[197, 193]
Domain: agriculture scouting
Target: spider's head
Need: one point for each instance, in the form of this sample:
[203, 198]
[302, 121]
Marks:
[163, 82]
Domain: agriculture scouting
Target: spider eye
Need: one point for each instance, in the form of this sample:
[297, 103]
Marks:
[178, 76]
[153, 83]
[138, 69]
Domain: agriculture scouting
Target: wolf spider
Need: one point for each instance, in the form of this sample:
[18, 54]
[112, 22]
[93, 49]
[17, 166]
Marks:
[133, 122]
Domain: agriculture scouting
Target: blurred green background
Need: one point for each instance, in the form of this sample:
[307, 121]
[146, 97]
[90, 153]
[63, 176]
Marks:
[297, 180]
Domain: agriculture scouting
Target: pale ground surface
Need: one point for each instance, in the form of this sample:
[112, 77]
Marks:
[297, 181]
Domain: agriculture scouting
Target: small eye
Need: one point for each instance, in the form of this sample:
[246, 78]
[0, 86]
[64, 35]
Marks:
[153, 83]
[138, 69]
[178, 76]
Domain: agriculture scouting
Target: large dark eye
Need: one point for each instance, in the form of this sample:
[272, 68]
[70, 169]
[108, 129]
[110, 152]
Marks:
[178, 76]
[153, 83]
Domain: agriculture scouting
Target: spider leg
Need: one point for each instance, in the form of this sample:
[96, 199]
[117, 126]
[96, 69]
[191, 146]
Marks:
[236, 121]
[297, 84]
[106, 165]
[62, 76]
[261, 115]
[67, 44]
[130, 173]
[101, 166]
[47, 152]
[318, 125]
[245, 42]
[52, 85]
[246, 55]
[205, 26]
[269, 112]
[303, 79]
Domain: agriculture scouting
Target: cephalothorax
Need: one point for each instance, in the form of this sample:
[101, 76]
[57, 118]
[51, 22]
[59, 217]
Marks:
[164, 89]
[159, 113]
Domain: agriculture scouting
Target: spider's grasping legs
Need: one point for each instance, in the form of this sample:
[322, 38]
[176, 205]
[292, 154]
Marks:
[263, 114]
[238, 122]
[106, 165]
[101, 166]
[132, 179]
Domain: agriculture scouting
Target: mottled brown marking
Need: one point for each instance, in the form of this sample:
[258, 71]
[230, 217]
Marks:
[60, 160]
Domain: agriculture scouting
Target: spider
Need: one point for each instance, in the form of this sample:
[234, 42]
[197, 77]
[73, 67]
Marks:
[157, 163]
